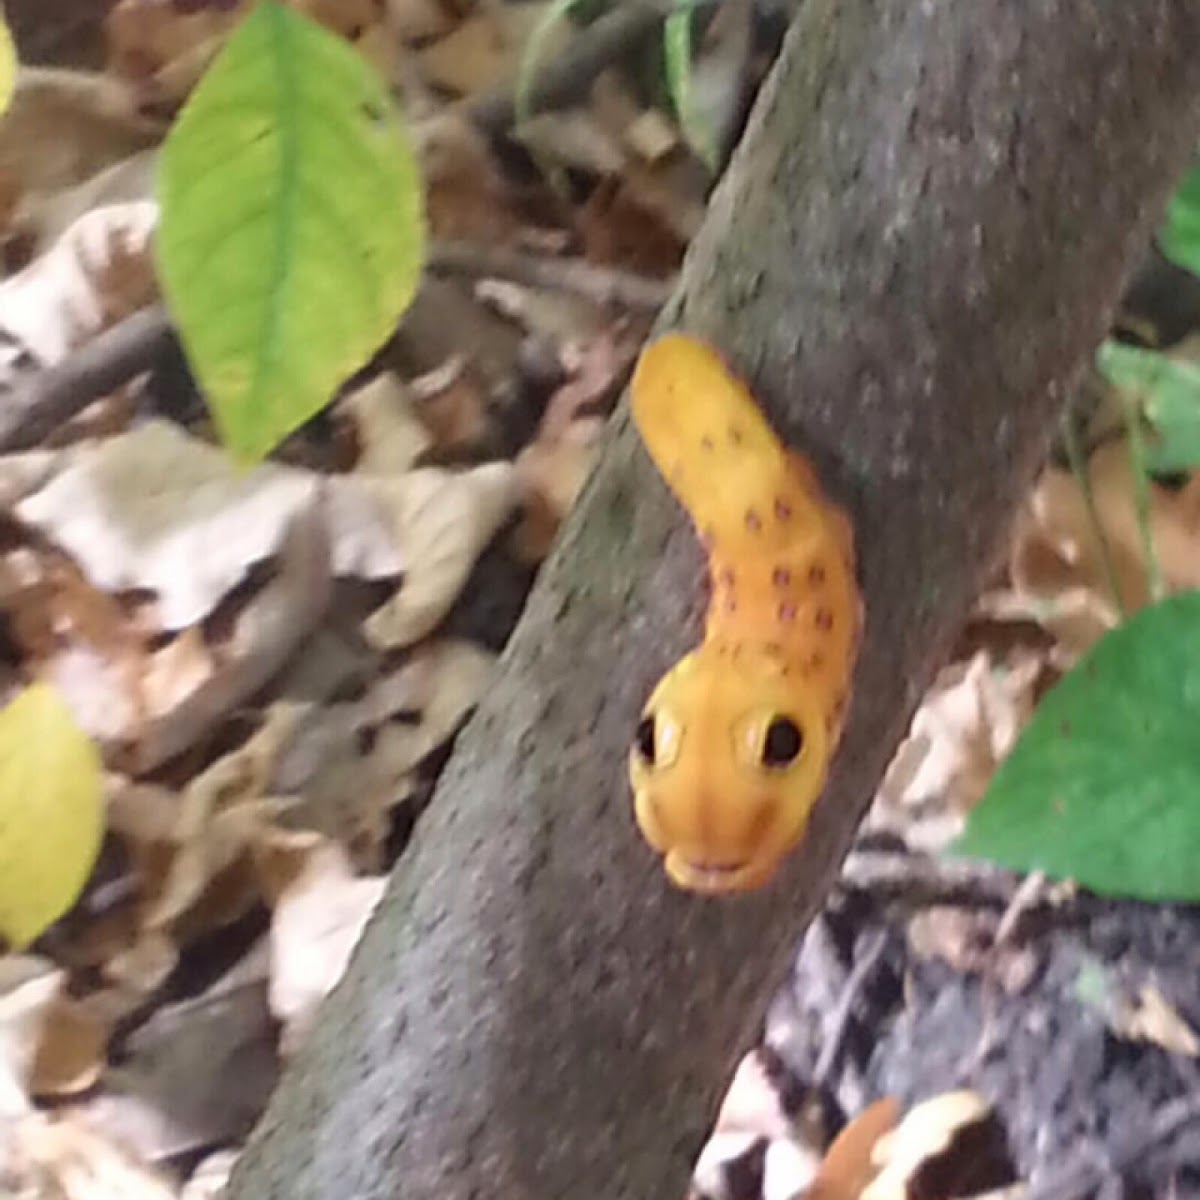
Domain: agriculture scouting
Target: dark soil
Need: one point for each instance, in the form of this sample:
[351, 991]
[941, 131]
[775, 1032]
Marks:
[1065, 1084]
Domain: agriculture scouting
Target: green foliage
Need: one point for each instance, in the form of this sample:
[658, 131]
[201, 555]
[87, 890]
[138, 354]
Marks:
[1168, 392]
[51, 812]
[1103, 786]
[292, 231]
[1179, 238]
[531, 57]
[8, 64]
[677, 61]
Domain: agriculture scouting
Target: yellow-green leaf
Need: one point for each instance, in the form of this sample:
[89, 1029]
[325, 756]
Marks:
[8, 64]
[292, 230]
[51, 812]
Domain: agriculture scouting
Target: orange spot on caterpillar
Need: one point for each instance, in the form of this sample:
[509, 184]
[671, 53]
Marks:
[721, 816]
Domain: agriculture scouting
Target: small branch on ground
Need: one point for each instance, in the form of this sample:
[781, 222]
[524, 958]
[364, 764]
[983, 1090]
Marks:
[918, 879]
[51, 398]
[604, 285]
[567, 78]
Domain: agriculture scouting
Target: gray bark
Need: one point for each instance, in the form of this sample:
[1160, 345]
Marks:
[919, 242]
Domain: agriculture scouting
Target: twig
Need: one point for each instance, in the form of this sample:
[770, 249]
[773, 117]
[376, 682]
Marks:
[840, 1020]
[1028, 896]
[49, 399]
[604, 285]
[607, 39]
[34, 410]
[1089, 1170]
[921, 879]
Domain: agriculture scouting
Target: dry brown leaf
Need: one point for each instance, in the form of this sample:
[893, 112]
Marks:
[849, 1164]
[467, 197]
[420, 20]
[182, 844]
[452, 406]
[553, 315]
[197, 1072]
[158, 510]
[926, 1131]
[142, 966]
[439, 685]
[646, 132]
[160, 48]
[348, 765]
[391, 436]
[29, 987]
[441, 520]
[78, 638]
[1056, 565]
[968, 722]
[966, 940]
[634, 221]
[1150, 1017]
[59, 1158]
[62, 129]
[484, 51]
[551, 474]
[98, 272]
[209, 1179]
[71, 1053]
[320, 909]
[130, 180]
[573, 139]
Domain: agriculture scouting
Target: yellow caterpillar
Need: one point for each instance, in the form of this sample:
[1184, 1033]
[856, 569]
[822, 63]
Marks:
[734, 744]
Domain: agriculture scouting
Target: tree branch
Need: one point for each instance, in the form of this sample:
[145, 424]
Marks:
[921, 239]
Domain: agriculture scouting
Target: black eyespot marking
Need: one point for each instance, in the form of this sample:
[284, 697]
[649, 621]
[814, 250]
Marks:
[783, 743]
[781, 577]
[823, 620]
[644, 739]
[816, 575]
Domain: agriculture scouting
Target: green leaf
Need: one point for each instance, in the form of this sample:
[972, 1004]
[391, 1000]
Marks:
[677, 63]
[51, 812]
[531, 58]
[8, 64]
[1179, 238]
[1168, 391]
[292, 231]
[1104, 785]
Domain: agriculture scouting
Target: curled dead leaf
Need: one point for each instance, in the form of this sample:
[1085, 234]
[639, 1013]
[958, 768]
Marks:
[63, 129]
[391, 435]
[59, 1156]
[1057, 565]
[160, 511]
[442, 520]
[98, 272]
[319, 911]
[968, 722]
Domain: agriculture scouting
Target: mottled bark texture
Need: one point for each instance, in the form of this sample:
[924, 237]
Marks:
[920, 240]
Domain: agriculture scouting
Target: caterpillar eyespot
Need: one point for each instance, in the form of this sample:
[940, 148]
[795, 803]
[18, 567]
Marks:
[734, 744]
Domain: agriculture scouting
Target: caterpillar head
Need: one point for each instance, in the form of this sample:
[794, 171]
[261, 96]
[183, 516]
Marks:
[727, 761]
